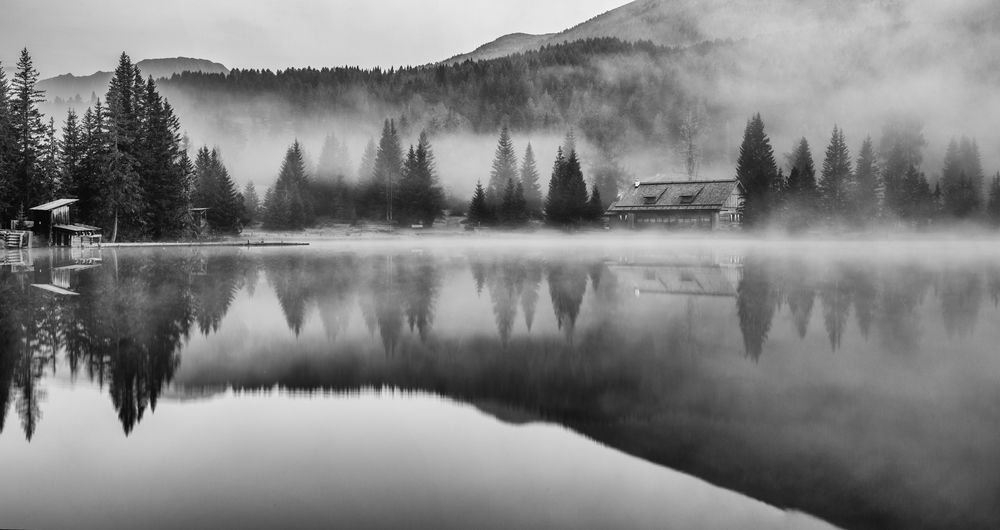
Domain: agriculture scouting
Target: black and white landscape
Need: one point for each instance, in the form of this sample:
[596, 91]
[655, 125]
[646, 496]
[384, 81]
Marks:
[593, 264]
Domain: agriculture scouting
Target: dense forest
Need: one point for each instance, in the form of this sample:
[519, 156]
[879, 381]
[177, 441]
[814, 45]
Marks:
[124, 160]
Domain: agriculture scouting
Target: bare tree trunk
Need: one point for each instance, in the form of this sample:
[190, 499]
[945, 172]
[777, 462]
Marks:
[114, 229]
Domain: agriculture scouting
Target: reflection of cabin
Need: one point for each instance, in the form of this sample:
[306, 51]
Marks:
[702, 204]
[15, 260]
[706, 280]
[51, 224]
[63, 274]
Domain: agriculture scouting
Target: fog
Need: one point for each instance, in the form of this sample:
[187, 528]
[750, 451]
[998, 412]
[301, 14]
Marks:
[805, 66]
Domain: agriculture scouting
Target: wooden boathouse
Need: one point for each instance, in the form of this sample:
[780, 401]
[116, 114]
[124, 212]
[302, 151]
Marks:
[695, 204]
[51, 225]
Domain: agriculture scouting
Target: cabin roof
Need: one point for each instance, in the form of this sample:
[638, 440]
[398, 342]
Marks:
[77, 228]
[49, 206]
[678, 195]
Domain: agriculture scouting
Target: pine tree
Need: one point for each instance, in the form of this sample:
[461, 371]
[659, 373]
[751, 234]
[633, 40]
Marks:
[383, 201]
[555, 201]
[868, 189]
[529, 181]
[288, 204]
[900, 149]
[71, 155]
[7, 136]
[569, 143]
[479, 212]
[504, 169]
[801, 191]
[166, 182]
[49, 174]
[29, 132]
[251, 204]
[993, 204]
[836, 181]
[333, 158]
[962, 179]
[121, 186]
[757, 172]
[366, 171]
[595, 210]
[216, 191]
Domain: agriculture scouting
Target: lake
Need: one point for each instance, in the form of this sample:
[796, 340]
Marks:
[503, 383]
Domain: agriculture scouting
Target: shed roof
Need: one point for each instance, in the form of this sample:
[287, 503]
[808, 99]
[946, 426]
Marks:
[681, 195]
[49, 206]
[77, 228]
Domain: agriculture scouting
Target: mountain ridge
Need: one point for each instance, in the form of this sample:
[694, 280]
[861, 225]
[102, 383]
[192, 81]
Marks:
[68, 85]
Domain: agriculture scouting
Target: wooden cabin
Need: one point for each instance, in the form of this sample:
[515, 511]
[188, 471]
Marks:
[698, 205]
[51, 225]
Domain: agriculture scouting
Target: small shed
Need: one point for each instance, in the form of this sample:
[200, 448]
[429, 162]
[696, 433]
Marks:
[699, 204]
[51, 222]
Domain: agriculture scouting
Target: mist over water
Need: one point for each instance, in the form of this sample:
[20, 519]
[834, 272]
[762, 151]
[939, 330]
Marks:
[812, 376]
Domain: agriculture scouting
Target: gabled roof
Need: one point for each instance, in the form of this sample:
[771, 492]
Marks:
[681, 195]
[49, 206]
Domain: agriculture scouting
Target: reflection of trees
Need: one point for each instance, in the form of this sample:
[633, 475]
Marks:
[214, 292]
[800, 295]
[756, 303]
[567, 285]
[961, 296]
[835, 296]
[420, 281]
[903, 289]
[529, 296]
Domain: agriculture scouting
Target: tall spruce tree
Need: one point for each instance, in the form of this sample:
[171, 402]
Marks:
[216, 191]
[595, 209]
[504, 168]
[993, 203]
[121, 186]
[757, 172]
[288, 205]
[800, 189]
[166, 181]
[868, 188]
[900, 149]
[251, 204]
[49, 173]
[529, 181]
[384, 197]
[333, 159]
[367, 169]
[836, 181]
[29, 131]
[71, 154]
[962, 179]
[567, 200]
[7, 198]
[479, 213]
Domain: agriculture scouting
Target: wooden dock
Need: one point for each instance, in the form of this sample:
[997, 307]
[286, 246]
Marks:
[247, 243]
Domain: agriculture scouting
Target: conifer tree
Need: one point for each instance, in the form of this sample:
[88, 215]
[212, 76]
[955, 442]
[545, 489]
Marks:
[6, 148]
[595, 210]
[801, 192]
[900, 149]
[71, 155]
[479, 212]
[504, 168]
[288, 204]
[835, 183]
[868, 189]
[251, 204]
[215, 190]
[29, 132]
[757, 172]
[366, 171]
[49, 174]
[332, 163]
[993, 203]
[384, 198]
[555, 201]
[166, 181]
[530, 184]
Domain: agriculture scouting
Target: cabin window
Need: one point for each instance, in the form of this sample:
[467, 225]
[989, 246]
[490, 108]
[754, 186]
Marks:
[687, 199]
[649, 199]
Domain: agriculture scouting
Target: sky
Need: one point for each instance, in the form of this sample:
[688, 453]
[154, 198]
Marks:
[83, 36]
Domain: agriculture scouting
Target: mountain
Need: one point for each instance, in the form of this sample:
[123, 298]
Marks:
[679, 23]
[68, 86]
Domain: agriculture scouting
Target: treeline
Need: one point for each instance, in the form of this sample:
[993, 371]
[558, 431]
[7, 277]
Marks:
[883, 185]
[513, 196]
[393, 187]
[124, 160]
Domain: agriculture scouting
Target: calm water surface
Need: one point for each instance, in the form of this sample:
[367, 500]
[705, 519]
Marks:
[576, 385]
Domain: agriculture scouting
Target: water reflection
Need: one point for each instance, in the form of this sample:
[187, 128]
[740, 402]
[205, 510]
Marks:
[647, 352]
